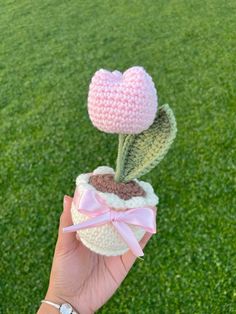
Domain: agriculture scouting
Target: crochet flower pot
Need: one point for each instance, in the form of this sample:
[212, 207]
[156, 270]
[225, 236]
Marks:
[106, 239]
[112, 209]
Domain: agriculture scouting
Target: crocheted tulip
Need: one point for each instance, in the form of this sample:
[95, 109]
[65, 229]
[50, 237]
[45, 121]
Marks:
[122, 103]
[111, 209]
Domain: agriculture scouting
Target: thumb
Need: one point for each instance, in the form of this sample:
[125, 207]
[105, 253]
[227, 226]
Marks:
[66, 241]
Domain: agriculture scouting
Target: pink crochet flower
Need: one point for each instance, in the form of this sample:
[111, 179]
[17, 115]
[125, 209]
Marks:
[122, 103]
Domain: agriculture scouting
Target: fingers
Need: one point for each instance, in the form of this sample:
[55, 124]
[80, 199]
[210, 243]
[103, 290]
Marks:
[145, 239]
[66, 240]
[129, 258]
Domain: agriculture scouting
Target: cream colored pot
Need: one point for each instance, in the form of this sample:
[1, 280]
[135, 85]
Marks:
[105, 239]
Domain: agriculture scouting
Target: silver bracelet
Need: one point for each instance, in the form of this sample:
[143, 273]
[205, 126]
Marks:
[64, 308]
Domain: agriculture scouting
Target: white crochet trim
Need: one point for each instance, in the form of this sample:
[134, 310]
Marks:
[105, 239]
[150, 199]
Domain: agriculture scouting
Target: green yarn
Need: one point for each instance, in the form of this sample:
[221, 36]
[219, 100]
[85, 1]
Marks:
[141, 152]
[120, 160]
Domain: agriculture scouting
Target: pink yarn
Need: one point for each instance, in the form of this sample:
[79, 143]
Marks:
[122, 103]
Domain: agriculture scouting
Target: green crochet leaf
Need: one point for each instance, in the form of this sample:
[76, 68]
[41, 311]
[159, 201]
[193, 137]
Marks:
[142, 152]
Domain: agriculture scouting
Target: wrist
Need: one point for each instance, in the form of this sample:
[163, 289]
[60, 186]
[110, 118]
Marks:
[53, 297]
[48, 308]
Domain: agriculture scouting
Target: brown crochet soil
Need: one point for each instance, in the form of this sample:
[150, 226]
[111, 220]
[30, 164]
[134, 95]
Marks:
[106, 183]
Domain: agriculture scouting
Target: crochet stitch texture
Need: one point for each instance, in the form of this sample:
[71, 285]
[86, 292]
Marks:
[127, 104]
[105, 239]
[122, 103]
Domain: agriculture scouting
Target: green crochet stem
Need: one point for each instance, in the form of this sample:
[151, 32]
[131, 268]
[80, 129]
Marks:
[120, 160]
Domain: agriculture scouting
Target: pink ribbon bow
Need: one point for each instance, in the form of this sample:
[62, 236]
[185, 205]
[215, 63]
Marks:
[92, 205]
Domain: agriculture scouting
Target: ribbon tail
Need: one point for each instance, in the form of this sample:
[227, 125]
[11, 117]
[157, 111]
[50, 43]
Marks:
[89, 223]
[128, 236]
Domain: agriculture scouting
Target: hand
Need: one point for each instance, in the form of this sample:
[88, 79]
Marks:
[81, 277]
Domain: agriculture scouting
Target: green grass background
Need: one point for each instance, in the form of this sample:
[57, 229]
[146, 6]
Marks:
[49, 51]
